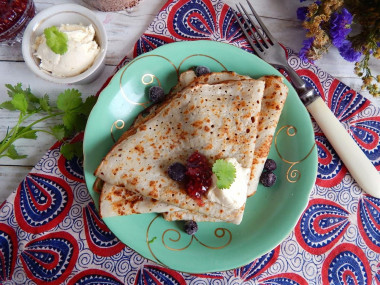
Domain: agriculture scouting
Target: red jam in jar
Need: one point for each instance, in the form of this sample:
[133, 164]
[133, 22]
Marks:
[14, 15]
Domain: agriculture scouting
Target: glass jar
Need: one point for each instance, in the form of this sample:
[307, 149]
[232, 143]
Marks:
[14, 15]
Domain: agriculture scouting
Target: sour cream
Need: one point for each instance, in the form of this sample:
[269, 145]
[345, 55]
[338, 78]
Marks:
[81, 53]
[235, 196]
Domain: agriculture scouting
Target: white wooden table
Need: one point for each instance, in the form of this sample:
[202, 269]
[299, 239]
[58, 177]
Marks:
[123, 29]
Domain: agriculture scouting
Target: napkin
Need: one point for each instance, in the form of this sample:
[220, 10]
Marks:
[50, 231]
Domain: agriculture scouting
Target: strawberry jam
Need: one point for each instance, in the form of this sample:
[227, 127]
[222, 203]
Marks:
[199, 176]
[14, 14]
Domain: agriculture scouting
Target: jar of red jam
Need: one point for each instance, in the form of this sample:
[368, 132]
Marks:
[14, 15]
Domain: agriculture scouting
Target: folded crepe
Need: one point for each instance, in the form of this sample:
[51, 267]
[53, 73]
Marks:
[218, 120]
[120, 201]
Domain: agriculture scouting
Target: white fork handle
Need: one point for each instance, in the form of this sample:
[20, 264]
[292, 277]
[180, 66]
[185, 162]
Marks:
[357, 163]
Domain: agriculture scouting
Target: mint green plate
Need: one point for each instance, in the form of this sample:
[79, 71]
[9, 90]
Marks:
[270, 214]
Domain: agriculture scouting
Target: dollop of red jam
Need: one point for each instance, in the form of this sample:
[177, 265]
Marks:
[199, 176]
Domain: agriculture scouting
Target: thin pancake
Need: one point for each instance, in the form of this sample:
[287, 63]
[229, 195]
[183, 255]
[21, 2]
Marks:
[213, 119]
[273, 101]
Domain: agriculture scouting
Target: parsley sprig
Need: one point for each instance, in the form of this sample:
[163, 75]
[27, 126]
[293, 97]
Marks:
[70, 107]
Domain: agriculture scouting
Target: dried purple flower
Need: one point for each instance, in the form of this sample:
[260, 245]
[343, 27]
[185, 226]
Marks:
[340, 26]
[304, 50]
[301, 13]
[348, 53]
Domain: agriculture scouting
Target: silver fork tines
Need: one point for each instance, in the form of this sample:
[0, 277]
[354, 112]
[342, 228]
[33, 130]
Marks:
[264, 44]
[260, 38]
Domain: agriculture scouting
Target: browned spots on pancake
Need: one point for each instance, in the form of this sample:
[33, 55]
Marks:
[118, 192]
[197, 124]
[209, 146]
[134, 181]
[142, 127]
[132, 202]
[153, 193]
[140, 149]
[141, 169]
[156, 155]
[115, 170]
[166, 112]
[172, 146]
[206, 128]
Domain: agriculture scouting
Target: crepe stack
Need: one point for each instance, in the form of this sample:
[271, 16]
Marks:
[221, 115]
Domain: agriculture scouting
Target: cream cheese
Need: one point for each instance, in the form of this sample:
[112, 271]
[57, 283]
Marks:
[81, 53]
[235, 196]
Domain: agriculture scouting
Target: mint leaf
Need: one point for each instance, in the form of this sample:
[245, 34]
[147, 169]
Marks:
[225, 173]
[69, 100]
[19, 102]
[56, 40]
[13, 154]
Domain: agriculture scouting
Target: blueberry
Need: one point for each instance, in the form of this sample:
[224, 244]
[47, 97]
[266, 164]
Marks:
[268, 178]
[201, 70]
[156, 94]
[177, 171]
[270, 164]
[190, 227]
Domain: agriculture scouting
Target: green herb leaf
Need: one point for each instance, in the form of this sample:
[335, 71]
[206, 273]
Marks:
[56, 40]
[7, 105]
[69, 120]
[69, 108]
[31, 100]
[69, 100]
[58, 132]
[88, 105]
[13, 154]
[71, 150]
[23, 133]
[225, 173]
[19, 102]
[44, 103]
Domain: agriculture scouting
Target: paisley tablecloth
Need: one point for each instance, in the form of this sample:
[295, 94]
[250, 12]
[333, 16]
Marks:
[50, 232]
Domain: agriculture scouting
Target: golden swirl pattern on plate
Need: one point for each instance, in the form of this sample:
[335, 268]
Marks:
[292, 175]
[119, 125]
[152, 76]
[165, 239]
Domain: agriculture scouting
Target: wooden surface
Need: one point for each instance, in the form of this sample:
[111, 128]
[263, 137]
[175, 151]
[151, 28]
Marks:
[123, 29]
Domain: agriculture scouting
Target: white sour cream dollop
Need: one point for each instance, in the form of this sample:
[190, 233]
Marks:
[81, 53]
[235, 196]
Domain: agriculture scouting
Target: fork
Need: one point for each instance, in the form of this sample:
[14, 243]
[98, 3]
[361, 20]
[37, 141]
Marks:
[267, 48]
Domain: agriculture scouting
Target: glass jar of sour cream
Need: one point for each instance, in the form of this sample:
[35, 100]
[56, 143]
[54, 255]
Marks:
[14, 15]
